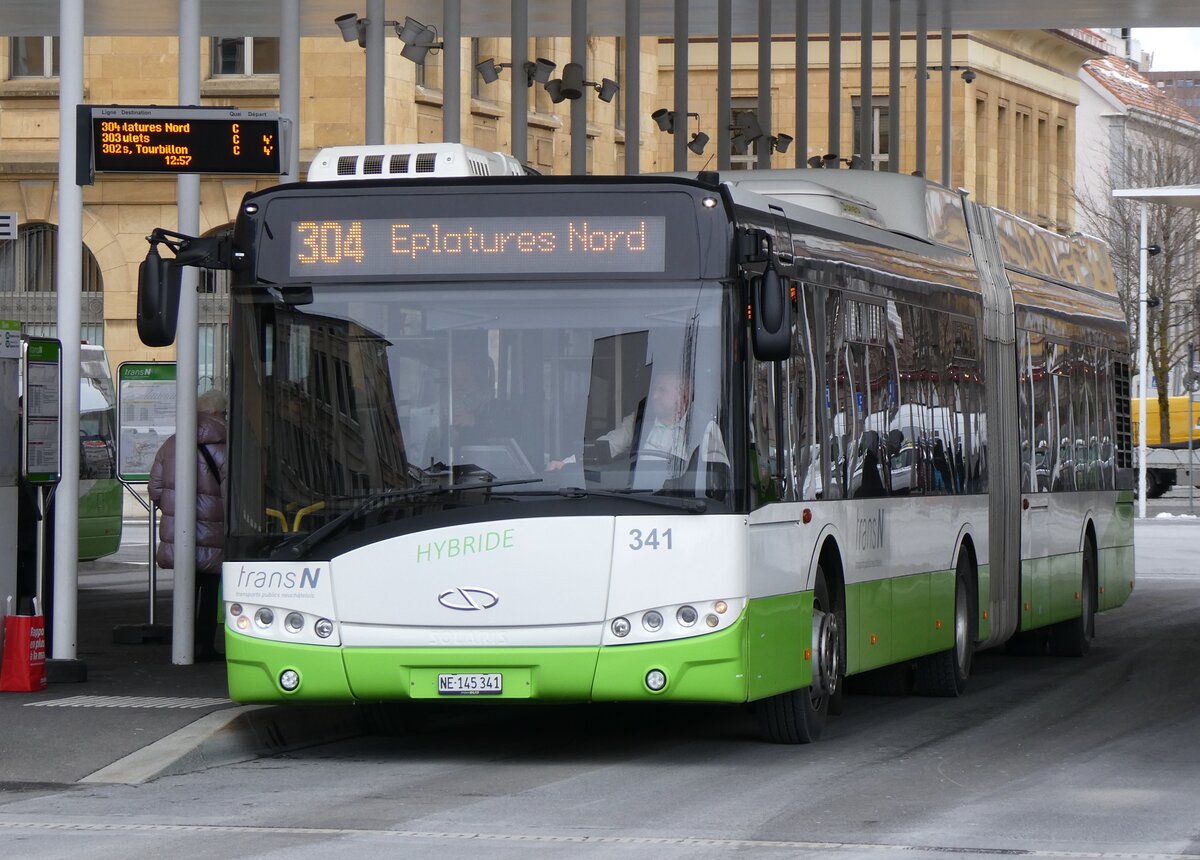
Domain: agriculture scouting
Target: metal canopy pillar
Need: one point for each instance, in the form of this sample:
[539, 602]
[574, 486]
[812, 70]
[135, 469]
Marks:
[894, 88]
[835, 82]
[187, 360]
[681, 84]
[579, 105]
[452, 71]
[289, 86]
[866, 99]
[922, 85]
[376, 66]
[802, 27]
[947, 61]
[1143, 355]
[69, 275]
[633, 87]
[764, 84]
[724, 84]
[519, 82]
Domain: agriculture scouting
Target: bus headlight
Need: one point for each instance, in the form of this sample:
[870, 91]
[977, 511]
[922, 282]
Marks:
[264, 617]
[323, 628]
[289, 680]
[652, 621]
[686, 616]
[294, 622]
[621, 627]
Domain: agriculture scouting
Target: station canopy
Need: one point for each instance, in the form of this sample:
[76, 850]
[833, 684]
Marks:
[605, 17]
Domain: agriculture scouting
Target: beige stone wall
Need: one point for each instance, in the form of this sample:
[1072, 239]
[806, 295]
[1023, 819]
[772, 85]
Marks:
[1013, 141]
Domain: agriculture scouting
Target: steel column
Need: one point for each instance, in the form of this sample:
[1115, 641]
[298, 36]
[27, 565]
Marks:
[69, 275]
[1143, 358]
[579, 105]
[947, 62]
[802, 25]
[724, 133]
[632, 87]
[835, 80]
[452, 71]
[376, 70]
[519, 84]
[289, 86]
[866, 99]
[922, 85]
[894, 88]
[187, 361]
[681, 84]
[764, 83]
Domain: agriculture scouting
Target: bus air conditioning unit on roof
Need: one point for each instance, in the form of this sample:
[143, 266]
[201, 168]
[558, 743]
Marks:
[409, 161]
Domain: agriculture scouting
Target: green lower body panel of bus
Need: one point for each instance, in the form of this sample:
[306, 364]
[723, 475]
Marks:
[772, 635]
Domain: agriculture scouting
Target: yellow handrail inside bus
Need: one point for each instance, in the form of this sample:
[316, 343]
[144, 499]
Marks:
[305, 511]
[278, 515]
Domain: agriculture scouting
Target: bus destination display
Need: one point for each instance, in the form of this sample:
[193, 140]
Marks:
[450, 246]
[157, 140]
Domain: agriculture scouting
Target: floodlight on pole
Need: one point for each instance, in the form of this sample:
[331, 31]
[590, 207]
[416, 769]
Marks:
[538, 71]
[354, 28]
[571, 85]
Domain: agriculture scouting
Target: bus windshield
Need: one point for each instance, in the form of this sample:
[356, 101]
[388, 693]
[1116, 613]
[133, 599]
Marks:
[350, 393]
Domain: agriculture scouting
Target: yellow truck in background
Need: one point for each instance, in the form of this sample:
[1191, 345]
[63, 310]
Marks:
[1164, 460]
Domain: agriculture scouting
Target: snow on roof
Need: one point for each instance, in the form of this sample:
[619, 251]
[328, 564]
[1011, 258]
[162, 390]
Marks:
[1133, 89]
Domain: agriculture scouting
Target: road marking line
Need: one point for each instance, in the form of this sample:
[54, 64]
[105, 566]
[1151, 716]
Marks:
[687, 841]
[128, 702]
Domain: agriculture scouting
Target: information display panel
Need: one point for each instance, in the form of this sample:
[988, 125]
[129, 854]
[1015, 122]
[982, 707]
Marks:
[42, 411]
[133, 139]
[146, 410]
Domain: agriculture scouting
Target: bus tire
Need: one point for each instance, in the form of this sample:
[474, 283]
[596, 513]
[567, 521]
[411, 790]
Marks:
[1073, 638]
[945, 673]
[798, 716]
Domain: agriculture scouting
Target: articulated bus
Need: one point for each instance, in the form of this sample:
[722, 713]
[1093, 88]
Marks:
[897, 430]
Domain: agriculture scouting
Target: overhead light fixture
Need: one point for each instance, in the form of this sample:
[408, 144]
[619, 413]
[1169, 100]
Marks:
[816, 161]
[419, 39]
[665, 120]
[538, 71]
[570, 86]
[749, 127]
[780, 143]
[354, 28]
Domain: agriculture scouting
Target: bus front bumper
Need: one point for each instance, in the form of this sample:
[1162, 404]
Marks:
[709, 668]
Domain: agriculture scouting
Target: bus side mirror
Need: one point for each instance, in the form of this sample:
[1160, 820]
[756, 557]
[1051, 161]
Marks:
[158, 299]
[770, 305]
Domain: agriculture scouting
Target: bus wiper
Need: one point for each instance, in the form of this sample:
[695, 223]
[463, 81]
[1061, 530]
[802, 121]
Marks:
[421, 490]
[695, 506]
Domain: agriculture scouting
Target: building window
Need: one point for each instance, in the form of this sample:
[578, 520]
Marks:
[881, 145]
[27, 284]
[244, 55]
[33, 57]
[748, 158]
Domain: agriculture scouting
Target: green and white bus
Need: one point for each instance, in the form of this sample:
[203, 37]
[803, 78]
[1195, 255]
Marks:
[903, 435]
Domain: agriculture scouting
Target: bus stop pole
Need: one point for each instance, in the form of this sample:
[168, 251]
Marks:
[63, 665]
[187, 361]
[1143, 371]
[1191, 386]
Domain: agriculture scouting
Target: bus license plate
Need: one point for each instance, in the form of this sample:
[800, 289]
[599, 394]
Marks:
[470, 685]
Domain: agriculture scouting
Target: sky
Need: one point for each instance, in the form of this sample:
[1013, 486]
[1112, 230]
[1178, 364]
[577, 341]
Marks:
[1175, 49]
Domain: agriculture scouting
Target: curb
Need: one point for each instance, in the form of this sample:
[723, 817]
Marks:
[233, 735]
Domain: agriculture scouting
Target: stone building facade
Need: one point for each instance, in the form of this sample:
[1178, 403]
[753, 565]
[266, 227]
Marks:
[1013, 139]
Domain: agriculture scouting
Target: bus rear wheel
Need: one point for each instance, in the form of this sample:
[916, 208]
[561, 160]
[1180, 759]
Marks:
[1073, 638]
[945, 673]
[798, 716]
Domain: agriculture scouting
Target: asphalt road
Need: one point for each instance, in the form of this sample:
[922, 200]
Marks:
[1046, 757]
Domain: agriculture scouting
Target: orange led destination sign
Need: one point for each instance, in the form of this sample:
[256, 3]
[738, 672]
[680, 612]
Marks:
[133, 139]
[448, 246]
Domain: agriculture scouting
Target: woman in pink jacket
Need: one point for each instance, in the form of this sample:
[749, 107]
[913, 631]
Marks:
[211, 476]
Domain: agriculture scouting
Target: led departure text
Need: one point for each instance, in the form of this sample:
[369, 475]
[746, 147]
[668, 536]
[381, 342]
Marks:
[602, 243]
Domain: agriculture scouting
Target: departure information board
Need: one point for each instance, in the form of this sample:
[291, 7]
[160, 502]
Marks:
[135, 139]
[443, 246]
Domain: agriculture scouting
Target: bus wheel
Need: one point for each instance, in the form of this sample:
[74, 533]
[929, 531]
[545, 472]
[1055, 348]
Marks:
[1073, 638]
[946, 673]
[797, 717]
